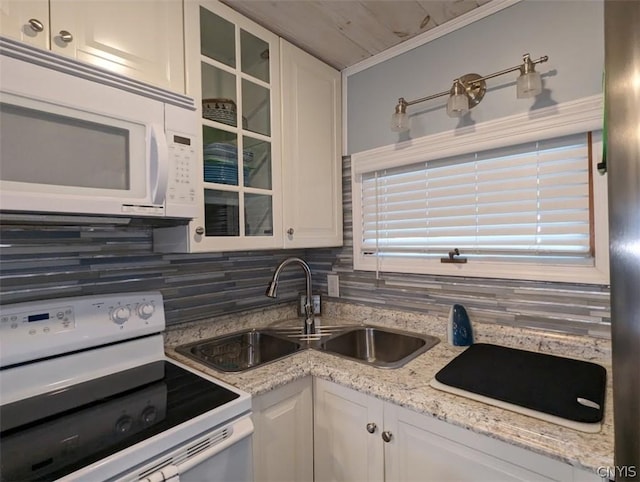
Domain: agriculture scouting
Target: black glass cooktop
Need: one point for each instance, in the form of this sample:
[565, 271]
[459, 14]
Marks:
[49, 436]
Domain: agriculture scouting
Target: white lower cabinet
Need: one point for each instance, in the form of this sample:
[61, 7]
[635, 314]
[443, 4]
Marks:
[344, 450]
[361, 438]
[283, 436]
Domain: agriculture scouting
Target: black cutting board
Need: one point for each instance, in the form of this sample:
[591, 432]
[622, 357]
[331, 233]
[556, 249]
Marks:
[546, 383]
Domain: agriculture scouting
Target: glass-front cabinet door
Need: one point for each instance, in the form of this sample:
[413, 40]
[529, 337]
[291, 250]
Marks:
[233, 68]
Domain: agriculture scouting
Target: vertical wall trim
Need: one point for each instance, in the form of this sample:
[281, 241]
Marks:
[345, 124]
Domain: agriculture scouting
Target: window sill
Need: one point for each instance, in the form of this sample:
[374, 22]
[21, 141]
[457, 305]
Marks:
[484, 269]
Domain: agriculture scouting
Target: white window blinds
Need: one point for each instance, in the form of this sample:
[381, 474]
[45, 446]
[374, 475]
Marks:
[525, 202]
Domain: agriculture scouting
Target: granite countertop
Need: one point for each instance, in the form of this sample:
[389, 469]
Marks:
[409, 387]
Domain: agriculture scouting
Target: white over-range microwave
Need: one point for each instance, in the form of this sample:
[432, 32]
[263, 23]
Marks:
[75, 138]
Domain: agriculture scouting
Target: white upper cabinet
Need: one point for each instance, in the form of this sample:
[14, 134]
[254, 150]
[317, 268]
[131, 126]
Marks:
[270, 139]
[27, 21]
[312, 164]
[233, 73]
[141, 39]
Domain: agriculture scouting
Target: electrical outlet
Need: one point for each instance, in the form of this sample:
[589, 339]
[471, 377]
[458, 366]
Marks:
[316, 303]
[333, 285]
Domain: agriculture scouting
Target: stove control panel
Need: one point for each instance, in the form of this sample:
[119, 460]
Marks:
[37, 329]
[52, 320]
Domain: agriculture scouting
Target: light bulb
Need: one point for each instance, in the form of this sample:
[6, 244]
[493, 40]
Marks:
[458, 102]
[400, 119]
[529, 85]
[457, 105]
[399, 122]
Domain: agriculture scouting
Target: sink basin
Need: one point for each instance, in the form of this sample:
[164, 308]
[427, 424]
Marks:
[240, 351]
[380, 347]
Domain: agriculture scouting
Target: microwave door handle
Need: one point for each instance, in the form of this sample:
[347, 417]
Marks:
[159, 163]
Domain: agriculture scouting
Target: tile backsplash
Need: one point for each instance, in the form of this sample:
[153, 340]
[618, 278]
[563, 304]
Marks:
[39, 261]
[53, 261]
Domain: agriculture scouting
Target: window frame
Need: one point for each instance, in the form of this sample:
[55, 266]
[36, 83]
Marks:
[572, 117]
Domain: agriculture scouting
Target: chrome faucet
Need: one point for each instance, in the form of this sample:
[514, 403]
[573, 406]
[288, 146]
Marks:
[309, 327]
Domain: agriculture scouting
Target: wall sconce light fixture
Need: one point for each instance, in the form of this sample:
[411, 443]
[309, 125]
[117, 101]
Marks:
[467, 92]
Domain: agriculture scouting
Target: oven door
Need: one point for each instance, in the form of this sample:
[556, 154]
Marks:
[222, 454]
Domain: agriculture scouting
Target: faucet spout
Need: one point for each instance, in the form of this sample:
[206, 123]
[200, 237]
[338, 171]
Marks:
[309, 327]
[272, 289]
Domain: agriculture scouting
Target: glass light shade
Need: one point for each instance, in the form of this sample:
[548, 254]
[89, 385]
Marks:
[529, 85]
[457, 105]
[399, 122]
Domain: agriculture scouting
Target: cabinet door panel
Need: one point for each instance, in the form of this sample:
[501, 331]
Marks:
[14, 21]
[415, 452]
[138, 38]
[422, 445]
[344, 450]
[312, 166]
[233, 68]
[283, 437]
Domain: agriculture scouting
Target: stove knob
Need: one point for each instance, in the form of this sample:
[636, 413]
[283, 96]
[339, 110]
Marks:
[149, 415]
[120, 314]
[145, 310]
[124, 424]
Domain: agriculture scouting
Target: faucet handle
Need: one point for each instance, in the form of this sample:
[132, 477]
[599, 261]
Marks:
[309, 325]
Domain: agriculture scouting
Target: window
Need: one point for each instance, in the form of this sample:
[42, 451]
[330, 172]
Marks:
[526, 210]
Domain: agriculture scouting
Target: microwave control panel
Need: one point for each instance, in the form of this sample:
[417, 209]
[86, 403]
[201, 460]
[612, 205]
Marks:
[181, 188]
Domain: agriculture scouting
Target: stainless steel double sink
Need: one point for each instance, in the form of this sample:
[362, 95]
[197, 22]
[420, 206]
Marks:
[372, 345]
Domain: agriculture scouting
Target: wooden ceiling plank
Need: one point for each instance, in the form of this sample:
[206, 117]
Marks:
[359, 24]
[442, 11]
[404, 19]
[306, 26]
[344, 32]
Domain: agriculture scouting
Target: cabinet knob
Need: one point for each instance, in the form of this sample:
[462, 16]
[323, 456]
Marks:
[387, 436]
[36, 25]
[200, 230]
[66, 36]
[371, 427]
[290, 231]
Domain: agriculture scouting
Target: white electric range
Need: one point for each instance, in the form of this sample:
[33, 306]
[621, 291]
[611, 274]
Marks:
[86, 393]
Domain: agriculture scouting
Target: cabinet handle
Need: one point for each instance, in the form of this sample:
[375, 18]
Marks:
[290, 231]
[371, 427]
[387, 436]
[200, 230]
[66, 36]
[36, 25]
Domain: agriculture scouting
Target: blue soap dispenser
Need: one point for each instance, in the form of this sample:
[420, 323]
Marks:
[459, 329]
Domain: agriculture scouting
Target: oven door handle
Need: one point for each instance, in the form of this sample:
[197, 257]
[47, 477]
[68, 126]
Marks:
[171, 473]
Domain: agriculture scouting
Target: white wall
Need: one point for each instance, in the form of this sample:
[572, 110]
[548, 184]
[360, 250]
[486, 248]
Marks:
[570, 32]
